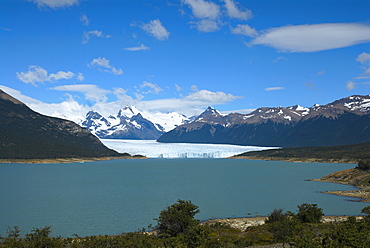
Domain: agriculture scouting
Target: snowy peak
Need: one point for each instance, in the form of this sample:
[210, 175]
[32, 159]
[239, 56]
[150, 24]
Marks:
[276, 114]
[95, 122]
[128, 111]
[355, 103]
[210, 114]
[131, 123]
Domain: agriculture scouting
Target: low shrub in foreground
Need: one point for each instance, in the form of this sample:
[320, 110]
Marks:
[177, 228]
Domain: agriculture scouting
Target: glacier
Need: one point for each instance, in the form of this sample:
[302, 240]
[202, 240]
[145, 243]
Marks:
[153, 149]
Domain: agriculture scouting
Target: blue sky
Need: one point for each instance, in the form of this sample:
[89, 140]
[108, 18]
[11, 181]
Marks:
[71, 56]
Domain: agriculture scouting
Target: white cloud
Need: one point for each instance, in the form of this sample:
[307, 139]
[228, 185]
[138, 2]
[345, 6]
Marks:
[206, 25]
[313, 38]
[244, 30]
[61, 75]
[92, 92]
[80, 76]
[211, 97]
[234, 12]
[142, 47]
[153, 88]
[55, 3]
[87, 35]
[274, 88]
[350, 85]
[156, 29]
[34, 75]
[103, 62]
[363, 58]
[194, 103]
[37, 74]
[367, 72]
[203, 9]
[85, 20]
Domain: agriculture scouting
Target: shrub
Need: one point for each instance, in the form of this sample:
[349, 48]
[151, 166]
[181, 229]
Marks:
[276, 215]
[177, 219]
[309, 213]
[363, 165]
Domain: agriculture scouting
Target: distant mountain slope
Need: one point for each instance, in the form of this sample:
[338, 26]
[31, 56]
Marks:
[25, 134]
[345, 121]
[343, 154]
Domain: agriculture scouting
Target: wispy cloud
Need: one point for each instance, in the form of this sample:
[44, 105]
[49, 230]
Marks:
[211, 97]
[156, 29]
[364, 58]
[274, 88]
[87, 35]
[206, 25]
[237, 12]
[153, 88]
[350, 85]
[6, 29]
[244, 29]
[37, 74]
[142, 47]
[85, 20]
[102, 63]
[54, 4]
[314, 38]
[92, 92]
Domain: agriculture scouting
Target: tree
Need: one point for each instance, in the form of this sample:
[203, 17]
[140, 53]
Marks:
[309, 213]
[177, 219]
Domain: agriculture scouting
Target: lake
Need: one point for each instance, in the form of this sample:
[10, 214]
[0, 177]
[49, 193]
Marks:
[111, 197]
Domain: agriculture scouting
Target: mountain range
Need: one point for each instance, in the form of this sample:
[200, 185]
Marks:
[342, 122]
[131, 123]
[26, 134]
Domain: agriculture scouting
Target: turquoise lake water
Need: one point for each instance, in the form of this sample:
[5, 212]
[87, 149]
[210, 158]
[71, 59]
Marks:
[111, 197]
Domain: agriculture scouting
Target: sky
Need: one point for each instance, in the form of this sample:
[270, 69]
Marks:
[66, 57]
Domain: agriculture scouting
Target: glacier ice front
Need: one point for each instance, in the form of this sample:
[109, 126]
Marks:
[153, 149]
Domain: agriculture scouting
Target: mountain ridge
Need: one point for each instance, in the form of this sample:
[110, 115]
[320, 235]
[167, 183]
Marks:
[344, 121]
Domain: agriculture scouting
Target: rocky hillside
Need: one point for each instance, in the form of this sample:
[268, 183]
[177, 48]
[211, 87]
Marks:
[25, 134]
[342, 122]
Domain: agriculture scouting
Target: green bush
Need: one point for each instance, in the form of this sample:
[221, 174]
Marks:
[277, 215]
[177, 219]
[363, 165]
[309, 213]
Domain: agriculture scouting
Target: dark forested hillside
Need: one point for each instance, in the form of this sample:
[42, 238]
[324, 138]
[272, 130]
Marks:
[25, 134]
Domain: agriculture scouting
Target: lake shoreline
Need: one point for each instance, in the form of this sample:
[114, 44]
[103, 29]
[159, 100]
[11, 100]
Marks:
[65, 160]
[296, 160]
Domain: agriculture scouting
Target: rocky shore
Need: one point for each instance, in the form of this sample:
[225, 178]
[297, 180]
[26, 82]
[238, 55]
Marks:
[243, 223]
[353, 177]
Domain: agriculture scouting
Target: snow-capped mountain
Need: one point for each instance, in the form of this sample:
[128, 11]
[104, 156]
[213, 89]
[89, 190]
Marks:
[131, 123]
[345, 121]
